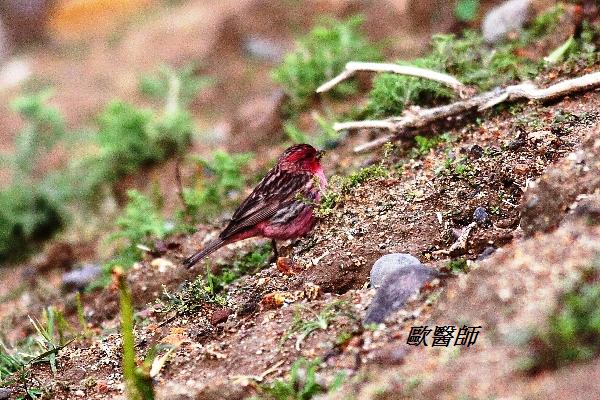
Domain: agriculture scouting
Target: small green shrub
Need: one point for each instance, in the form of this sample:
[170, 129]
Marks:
[168, 82]
[192, 297]
[458, 265]
[543, 24]
[338, 186]
[222, 183]
[139, 224]
[423, 145]
[36, 205]
[27, 217]
[29, 208]
[302, 329]
[466, 58]
[573, 331]
[247, 264]
[301, 383]
[130, 137]
[207, 290]
[325, 138]
[123, 138]
[44, 128]
[320, 55]
[466, 10]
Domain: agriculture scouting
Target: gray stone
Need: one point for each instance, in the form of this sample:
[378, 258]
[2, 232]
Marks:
[507, 17]
[396, 289]
[78, 279]
[5, 394]
[388, 264]
[481, 216]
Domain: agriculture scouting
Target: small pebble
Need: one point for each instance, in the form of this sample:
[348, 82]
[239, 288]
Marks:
[476, 151]
[481, 216]
[487, 252]
[219, 316]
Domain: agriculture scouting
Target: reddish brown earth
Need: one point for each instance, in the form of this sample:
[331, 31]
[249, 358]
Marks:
[536, 175]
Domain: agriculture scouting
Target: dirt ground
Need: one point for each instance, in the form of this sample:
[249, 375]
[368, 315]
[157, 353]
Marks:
[533, 170]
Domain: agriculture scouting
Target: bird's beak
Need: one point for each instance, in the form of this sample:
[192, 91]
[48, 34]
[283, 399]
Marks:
[320, 154]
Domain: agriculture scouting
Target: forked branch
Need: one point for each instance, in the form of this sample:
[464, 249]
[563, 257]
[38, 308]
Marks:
[354, 66]
[415, 117]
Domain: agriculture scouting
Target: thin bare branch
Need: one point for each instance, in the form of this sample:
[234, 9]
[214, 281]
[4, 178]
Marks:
[416, 118]
[354, 66]
[461, 241]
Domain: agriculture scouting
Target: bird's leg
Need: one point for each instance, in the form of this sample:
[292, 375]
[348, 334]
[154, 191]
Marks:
[275, 252]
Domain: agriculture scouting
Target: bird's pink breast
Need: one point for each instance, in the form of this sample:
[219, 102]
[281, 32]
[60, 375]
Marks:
[299, 226]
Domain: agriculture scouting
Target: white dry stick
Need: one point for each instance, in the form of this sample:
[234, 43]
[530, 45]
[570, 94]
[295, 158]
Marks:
[355, 66]
[461, 242]
[418, 118]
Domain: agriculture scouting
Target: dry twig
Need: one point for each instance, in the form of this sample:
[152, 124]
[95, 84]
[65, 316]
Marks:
[415, 117]
[355, 66]
[461, 241]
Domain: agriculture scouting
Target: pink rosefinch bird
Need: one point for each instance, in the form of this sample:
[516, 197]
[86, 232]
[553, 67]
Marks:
[280, 207]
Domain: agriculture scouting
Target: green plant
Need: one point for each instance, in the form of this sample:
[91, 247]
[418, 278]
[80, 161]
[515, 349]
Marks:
[168, 83]
[193, 296]
[131, 137]
[207, 290]
[457, 167]
[301, 383]
[41, 347]
[138, 383]
[466, 57]
[81, 316]
[304, 328]
[458, 265]
[27, 217]
[222, 183]
[543, 24]
[338, 187]
[325, 138]
[44, 128]
[573, 330]
[139, 223]
[248, 264]
[320, 55]
[466, 10]
[29, 210]
[423, 145]
[34, 207]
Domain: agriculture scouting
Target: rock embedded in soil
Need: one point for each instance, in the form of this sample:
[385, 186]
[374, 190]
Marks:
[481, 216]
[396, 289]
[388, 264]
[5, 394]
[219, 316]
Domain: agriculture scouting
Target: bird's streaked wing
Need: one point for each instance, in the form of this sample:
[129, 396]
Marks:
[276, 189]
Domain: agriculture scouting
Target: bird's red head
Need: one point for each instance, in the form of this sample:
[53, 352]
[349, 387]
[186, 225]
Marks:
[301, 157]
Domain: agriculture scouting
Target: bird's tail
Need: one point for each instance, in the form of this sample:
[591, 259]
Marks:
[199, 255]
